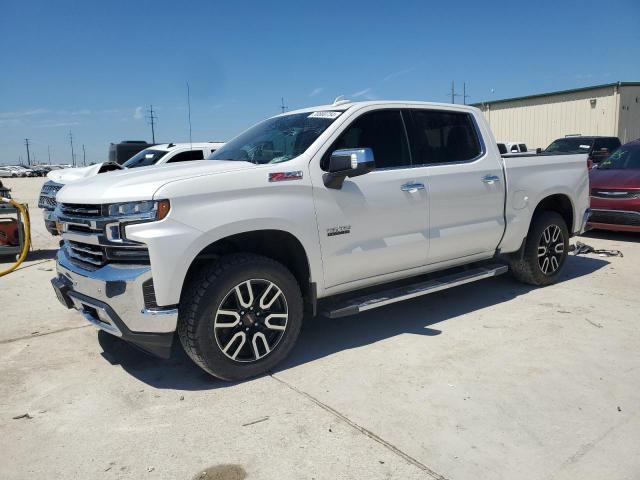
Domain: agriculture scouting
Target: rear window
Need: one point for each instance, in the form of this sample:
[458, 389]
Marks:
[187, 156]
[442, 137]
[145, 158]
[570, 145]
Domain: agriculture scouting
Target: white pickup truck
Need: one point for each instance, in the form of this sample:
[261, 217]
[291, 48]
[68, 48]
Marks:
[339, 208]
[154, 155]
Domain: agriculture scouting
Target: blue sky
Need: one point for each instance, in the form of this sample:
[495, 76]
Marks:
[94, 67]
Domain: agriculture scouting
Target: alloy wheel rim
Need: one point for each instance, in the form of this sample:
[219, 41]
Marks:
[251, 320]
[551, 250]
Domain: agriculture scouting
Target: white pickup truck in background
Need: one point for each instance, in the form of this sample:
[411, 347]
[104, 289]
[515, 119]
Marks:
[339, 208]
[154, 155]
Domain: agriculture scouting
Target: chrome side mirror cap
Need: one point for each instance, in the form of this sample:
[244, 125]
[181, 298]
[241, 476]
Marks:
[351, 162]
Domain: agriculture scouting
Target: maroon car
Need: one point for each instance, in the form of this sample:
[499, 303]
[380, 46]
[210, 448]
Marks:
[615, 190]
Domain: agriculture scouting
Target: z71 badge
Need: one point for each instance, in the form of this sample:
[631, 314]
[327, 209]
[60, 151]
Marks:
[341, 230]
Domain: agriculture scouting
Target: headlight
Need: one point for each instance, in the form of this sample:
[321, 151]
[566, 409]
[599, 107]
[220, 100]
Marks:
[143, 210]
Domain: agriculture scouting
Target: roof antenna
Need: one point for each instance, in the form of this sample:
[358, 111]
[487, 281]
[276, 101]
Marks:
[189, 110]
[340, 99]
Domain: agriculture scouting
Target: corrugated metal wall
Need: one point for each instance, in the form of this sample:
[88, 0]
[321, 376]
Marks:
[538, 121]
[629, 124]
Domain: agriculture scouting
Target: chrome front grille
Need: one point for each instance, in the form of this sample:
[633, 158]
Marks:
[86, 242]
[86, 253]
[81, 210]
[48, 193]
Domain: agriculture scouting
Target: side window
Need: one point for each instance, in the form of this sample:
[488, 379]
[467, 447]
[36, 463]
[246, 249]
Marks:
[523, 147]
[381, 131]
[612, 144]
[187, 156]
[441, 137]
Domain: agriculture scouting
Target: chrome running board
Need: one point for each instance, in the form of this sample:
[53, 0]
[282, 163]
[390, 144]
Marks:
[398, 294]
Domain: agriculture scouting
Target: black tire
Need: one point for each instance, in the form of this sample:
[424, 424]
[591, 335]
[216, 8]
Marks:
[202, 301]
[530, 268]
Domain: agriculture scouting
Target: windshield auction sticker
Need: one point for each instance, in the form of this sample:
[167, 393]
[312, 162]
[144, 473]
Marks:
[327, 114]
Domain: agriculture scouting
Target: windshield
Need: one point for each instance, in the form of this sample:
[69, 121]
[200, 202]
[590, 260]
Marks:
[277, 139]
[625, 158]
[571, 145]
[144, 158]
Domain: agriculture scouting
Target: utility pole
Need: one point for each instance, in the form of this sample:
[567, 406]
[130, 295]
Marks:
[453, 93]
[49, 153]
[464, 93]
[73, 155]
[84, 157]
[283, 107]
[26, 142]
[151, 118]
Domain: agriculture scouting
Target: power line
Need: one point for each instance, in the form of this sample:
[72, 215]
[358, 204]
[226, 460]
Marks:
[151, 119]
[26, 142]
[49, 153]
[464, 93]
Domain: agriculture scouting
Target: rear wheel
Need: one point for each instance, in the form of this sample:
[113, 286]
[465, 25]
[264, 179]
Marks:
[240, 316]
[545, 250]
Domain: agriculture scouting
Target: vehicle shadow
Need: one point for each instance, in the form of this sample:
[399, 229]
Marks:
[321, 337]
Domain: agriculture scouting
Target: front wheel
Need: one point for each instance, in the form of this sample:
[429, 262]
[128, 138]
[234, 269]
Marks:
[545, 250]
[240, 316]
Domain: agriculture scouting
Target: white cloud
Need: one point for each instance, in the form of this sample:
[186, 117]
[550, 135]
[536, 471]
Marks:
[56, 124]
[24, 113]
[399, 73]
[316, 91]
[365, 93]
[138, 113]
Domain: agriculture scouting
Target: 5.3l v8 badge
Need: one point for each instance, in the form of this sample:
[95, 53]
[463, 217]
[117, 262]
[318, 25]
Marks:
[340, 230]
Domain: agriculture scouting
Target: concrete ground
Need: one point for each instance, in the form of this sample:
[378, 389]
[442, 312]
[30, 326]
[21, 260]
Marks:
[492, 380]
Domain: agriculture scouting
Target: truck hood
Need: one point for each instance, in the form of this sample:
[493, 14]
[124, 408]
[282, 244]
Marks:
[141, 183]
[614, 178]
[67, 175]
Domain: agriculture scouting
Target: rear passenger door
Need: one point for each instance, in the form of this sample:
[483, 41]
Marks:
[465, 184]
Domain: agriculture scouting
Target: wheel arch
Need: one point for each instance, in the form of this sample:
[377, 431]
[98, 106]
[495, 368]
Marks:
[557, 202]
[279, 245]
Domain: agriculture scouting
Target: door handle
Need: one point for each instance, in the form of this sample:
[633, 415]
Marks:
[412, 187]
[490, 179]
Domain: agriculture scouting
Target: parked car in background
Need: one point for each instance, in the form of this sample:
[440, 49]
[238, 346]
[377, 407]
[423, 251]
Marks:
[21, 171]
[123, 151]
[516, 147]
[155, 155]
[597, 148]
[6, 172]
[302, 211]
[40, 170]
[615, 190]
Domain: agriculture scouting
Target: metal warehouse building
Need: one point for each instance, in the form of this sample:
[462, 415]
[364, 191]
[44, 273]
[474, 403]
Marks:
[612, 110]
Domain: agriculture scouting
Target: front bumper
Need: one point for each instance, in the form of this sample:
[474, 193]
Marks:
[111, 298]
[616, 220]
[49, 222]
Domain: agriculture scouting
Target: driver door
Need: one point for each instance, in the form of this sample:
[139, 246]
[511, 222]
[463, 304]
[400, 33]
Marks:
[377, 223]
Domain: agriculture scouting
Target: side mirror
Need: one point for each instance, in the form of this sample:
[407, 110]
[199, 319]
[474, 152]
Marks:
[348, 163]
